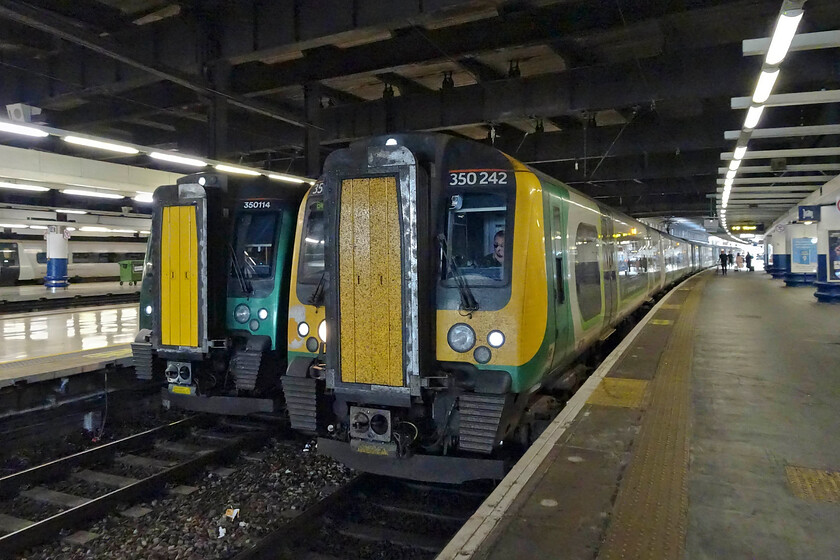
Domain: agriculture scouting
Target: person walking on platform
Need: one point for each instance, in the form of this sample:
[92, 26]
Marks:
[739, 262]
[749, 262]
[731, 260]
[724, 260]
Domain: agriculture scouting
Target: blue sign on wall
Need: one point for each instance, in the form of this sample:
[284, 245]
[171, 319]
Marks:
[809, 213]
[804, 254]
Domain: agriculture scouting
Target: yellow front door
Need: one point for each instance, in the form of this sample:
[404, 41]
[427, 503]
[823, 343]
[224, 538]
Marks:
[179, 277]
[370, 286]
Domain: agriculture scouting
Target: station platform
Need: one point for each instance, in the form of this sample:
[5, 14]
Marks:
[31, 296]
[710, 432]
[52, 344]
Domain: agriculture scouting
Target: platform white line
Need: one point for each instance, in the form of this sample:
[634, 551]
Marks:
[467, 541]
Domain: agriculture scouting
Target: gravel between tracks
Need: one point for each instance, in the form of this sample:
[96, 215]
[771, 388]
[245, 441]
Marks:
[284, 480]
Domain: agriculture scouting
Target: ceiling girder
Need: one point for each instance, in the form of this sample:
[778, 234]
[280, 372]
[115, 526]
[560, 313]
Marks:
[48, 22]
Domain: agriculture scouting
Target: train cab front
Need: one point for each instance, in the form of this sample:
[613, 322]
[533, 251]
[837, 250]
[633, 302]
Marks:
[415, 234]
[214, 286]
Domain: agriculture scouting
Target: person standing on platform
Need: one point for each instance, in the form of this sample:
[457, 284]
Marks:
[739, 262]
[749, 262]
[731, 260]
[724, 260]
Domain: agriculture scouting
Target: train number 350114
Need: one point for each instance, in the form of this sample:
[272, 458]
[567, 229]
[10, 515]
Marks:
[478, 177]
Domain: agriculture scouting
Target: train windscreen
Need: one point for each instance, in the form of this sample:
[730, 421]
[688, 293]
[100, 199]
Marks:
[254, 245]
[476, 235]
[312, 249]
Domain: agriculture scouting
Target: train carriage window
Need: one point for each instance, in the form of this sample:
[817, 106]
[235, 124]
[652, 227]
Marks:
[41, 257]
[587, 271]
[83, 258]
[477, 237]
[312, 250]
[8, 254]
[254, 244]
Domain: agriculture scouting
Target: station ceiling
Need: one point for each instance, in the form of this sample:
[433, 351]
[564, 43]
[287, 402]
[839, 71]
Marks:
[626, 100]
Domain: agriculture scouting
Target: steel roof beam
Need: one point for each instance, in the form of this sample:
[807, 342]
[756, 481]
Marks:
[793, 152]
[800, 42]
[781, 179]
[787, 131]
[791, 99]
[48, 22]
[746, 169]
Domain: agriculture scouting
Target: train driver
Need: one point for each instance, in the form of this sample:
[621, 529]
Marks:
[497, 257]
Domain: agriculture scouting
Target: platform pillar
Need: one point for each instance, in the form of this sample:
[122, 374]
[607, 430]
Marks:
[57, 238]
[828, 255]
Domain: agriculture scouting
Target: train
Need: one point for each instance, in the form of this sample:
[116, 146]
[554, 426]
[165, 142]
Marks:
[410, 308]
[214, 292]
[440, 288]
[25, 260]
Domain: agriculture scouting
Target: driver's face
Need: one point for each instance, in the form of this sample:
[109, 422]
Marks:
[499, 248]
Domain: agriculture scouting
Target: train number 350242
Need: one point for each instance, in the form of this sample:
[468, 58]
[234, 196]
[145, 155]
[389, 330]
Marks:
[489, 177]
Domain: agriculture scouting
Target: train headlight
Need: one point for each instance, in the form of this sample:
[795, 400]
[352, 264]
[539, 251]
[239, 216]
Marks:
[322, 331]
[148, 310]
[303, 329]
[482, 354]
[262, 314]
[461, 337]
[496, 339]
[242, 313]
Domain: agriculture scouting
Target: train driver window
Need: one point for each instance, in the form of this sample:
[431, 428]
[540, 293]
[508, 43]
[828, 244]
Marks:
[8, 254]
[254, 244]
[587, 271]
[477, 237]
[312, 251]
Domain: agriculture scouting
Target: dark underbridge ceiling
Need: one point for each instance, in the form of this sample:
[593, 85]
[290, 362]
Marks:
[626, 100]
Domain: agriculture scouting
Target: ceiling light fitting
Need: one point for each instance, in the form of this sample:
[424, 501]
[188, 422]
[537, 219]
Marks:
[183, 160]
[236, 170]
[93, 194]
[22, 130]
[90, 143]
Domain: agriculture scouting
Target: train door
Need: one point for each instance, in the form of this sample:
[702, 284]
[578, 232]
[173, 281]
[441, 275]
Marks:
[608, 248]
[557, 245]
[9, 265]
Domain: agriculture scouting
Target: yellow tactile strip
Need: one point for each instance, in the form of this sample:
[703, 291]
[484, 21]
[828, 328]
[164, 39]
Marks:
[650, 515]
[615, 391]
[661, 322]
[814, 485]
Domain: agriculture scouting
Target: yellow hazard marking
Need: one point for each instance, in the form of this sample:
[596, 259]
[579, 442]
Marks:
[814, 485]
[613, 391]
[661, 322]
[123, 352]
[671, 306]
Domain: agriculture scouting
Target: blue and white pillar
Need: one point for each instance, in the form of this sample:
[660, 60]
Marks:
[828, 255]
[802, 247]
[57, 248]
[780, 255]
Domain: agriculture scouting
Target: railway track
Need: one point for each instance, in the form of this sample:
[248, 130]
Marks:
[45, 303]
[375, 517]
[38, 503]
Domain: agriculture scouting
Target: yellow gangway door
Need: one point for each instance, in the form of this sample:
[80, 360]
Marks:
[370, 286]
[179, 277]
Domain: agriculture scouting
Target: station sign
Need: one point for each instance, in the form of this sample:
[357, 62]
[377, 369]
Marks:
[748, 228]
[809, 213]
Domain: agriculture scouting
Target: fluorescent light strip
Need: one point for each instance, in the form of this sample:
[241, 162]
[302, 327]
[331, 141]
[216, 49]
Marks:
[144, 197]
[765, 84]
[286, 178]
[69, 211]
[13, 226]
[237, 170]
[22, 130]
[734, 164]
[101, 145]
[193, 162]
[22, 187]
[731, 174]
[739, 153]
[94, 194]
[782, 36]
[753, 115]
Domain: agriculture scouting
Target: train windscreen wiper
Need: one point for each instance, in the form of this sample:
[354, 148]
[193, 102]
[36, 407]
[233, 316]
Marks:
[468, 301]
[243, 282]
[317, 296]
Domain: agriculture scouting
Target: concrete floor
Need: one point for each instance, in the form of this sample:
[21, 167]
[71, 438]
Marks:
[765, 394]
[84, 289]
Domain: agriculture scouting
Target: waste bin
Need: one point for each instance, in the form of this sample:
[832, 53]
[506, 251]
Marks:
[131, 272]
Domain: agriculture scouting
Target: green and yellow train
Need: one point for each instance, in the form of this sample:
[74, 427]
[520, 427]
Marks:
[439, 287]
[215, 292]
